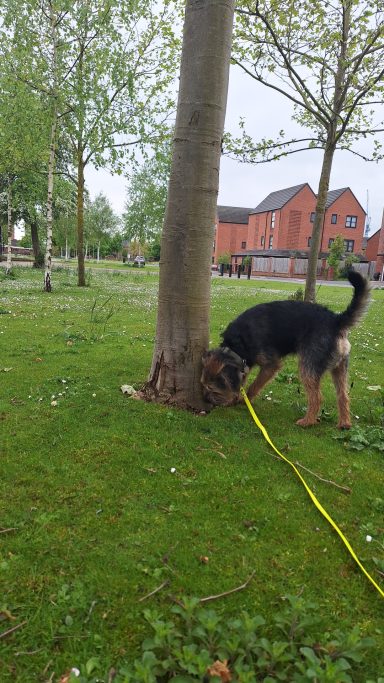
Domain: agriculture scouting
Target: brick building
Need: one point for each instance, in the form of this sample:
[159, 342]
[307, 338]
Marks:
[375, 248]
[284, 221]
[231, 231]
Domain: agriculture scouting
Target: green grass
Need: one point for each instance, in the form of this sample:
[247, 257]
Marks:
[100, 520]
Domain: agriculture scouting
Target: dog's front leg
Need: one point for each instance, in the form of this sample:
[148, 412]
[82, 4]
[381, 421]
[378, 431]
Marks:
[266, 374]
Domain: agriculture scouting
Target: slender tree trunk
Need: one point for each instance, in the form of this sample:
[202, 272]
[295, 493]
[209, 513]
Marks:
[182, 333]
[80, 220]
[52, 153]
[37, 254]
[8, 268]
[329, 151]
[317, 232]
[51, 169]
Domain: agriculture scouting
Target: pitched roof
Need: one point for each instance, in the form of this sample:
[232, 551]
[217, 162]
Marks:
[276, 200]
[233, 214]
[333, 195]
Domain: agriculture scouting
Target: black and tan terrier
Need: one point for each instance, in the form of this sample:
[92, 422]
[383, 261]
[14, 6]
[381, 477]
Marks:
[265, 334]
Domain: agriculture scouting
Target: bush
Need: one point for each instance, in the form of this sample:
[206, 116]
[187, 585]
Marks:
[199, 644]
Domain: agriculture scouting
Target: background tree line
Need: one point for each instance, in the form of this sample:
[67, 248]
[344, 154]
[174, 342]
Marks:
[81, 83]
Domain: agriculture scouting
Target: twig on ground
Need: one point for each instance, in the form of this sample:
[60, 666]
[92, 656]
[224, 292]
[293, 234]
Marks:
[159, 588]
[345, 489]
[379, 572]
[87, 618]
[233, 590]
[6, 531]
[11, 630]
[112, 675]
[212, 450]
[47, 667]
[34, 652]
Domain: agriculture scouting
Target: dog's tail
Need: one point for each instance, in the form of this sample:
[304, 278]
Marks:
[359, 303]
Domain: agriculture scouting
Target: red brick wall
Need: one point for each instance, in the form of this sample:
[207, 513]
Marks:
[295, 226]
[345, 205]
[292, 224]
[228, 238]
[372, 247]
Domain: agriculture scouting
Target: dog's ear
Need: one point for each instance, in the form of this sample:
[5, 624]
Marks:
[205, 357]
[214, 365]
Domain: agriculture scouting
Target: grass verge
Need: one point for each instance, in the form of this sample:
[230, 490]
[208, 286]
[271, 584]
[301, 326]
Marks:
[104, 498]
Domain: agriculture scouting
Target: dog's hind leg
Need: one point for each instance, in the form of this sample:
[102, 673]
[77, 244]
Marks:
[311, 384]
[340, 380]
[266, 374]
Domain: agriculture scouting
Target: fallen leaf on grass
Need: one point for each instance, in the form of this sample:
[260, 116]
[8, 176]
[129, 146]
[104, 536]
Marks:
[220, 669]
[7, 369]
[128, 390]
[375, 387]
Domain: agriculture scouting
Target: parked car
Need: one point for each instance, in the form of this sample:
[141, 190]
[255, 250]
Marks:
[139, 261]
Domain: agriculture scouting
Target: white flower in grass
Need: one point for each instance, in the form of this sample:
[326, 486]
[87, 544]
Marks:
[368, 538]
[173, 470]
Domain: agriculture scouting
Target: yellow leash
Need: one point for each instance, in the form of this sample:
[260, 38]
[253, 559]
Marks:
[310, 493]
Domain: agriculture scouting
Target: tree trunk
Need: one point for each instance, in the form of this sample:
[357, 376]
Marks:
[329, 151]
[51, 169]
[80, 220]
[37, 254]
[317, 232]
[182, 333]
[8, 268]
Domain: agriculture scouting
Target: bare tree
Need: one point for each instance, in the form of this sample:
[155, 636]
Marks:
[182, 333]
[328, 60]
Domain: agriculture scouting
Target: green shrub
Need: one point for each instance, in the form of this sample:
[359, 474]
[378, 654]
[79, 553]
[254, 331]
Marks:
[198, 644]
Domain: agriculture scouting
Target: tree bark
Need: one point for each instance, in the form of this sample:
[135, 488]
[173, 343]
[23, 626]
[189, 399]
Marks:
[329, 151]
[80, 220]
[182, 333]
[8, 268]
[37, 254]
[51, 169]
[317, 232]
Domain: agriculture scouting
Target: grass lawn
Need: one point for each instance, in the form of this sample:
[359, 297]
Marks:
[94, 517]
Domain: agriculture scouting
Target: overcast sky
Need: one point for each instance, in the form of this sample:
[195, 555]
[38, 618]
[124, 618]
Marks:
[266, 113]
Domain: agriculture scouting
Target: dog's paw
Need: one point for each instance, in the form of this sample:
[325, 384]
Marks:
[344, 425]
[304, 422]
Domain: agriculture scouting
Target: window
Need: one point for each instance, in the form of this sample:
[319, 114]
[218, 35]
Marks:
[349, 245]
[334, 218]
[330, 242]
[312, 217]
[273, 216]
[270, 242]
[243, 245]
[351, 222]
[309, 241]
[262, 241]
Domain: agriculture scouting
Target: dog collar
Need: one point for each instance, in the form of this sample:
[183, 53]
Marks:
[239, 360]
